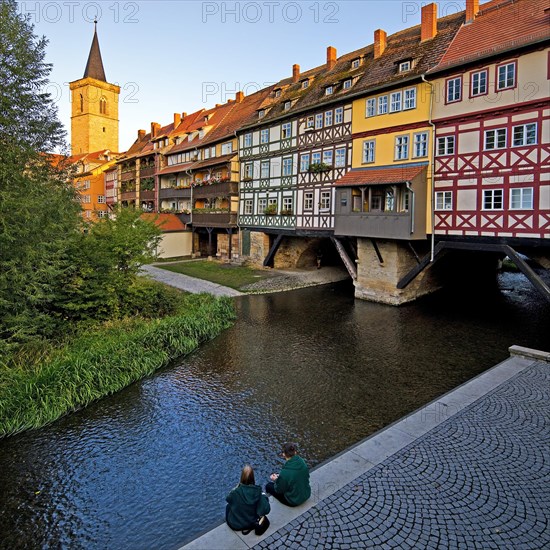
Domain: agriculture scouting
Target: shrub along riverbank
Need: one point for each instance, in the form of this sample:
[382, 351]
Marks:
[105, 360]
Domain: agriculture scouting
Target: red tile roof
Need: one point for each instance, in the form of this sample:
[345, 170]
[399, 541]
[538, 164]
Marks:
[214, 161]
[500, 25]
[167, 222]
[380, 176]
[175, 168]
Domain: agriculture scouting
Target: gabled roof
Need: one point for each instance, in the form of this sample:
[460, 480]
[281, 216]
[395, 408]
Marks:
[380, 175]
[167, 222]
[94, 67]
[500, 25]
[372, 74]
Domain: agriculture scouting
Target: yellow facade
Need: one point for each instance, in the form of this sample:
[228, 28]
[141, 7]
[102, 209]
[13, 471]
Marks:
[399, 136]
[91, 187]
[94, 116]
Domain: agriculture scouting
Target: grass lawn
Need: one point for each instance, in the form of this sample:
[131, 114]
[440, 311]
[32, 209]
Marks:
[232, 276]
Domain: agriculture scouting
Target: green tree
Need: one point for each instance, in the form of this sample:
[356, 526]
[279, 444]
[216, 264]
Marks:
[38, 208]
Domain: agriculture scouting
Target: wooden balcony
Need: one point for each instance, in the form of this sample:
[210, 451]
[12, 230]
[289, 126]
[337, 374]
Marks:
[214, 219]
[147, 172]
[379, 225]
[128, 196]
[175, 193]
[224, 189]
[129, 175]
[147, 195]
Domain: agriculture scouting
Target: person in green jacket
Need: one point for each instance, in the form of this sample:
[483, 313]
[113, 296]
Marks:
[246, 503]
[291, 485]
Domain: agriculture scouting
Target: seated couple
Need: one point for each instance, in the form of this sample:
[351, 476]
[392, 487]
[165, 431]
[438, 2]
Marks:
[246, 504]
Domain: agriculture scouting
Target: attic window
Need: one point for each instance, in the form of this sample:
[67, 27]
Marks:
[347, 84]
[278, 92]
[305, 84]
[329, 90]
[405, 66]
[355, 63]
[288, 105]
[261, 113]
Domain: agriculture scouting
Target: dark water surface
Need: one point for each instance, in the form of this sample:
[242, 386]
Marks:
[149, 467]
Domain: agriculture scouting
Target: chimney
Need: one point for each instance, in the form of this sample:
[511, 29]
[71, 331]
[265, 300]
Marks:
[472, 9]
[177, 120]
[155, 127]
[429, 22]
[141, 134]
[379, 42]
[331, 57]
[183, 115]
[296, 72]
[239, 97]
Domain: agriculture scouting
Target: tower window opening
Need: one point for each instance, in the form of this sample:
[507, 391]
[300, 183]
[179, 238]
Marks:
[103, 106]
[81, 103]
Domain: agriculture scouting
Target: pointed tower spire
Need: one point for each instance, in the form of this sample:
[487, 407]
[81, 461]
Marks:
[94, 67]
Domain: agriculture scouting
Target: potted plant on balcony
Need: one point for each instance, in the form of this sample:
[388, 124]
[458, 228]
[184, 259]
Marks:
[319, 167]
[270, 210]
[287, 212]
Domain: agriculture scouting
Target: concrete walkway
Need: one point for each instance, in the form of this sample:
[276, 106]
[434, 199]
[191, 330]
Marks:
[469, 470]
[190, 284]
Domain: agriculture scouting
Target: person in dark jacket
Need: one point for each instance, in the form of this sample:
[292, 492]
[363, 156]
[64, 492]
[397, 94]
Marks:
[291, 485]
[246, 503]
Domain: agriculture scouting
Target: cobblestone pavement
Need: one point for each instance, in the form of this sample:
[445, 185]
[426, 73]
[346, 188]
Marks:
[481, 479]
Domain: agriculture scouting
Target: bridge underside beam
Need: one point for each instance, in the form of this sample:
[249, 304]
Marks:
[268, 261]
[348, 262]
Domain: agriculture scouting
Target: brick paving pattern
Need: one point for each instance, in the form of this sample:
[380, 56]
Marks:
[481, 479]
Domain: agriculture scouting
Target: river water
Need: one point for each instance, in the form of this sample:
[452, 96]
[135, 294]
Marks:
[149, 467]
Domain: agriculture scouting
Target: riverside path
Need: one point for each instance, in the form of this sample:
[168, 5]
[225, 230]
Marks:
[469, 470]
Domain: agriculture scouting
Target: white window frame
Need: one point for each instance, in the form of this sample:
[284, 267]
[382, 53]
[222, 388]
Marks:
[340, 157]
[481, 86]
[443, 200]
[288, 203]
[304, 162]
[324, 202]
[409, 99]
[453, 92]
[262, 204]
[396, 102]
[420, 144]
[402, 147]
[101, 199]
[248, 204]
[369, 151]
[370, 107]
[329, 90]
[448, 143]
[287, 166]
[527, 136]
[405, 66]
[504, 71]
[286, 130]
[248, 140]
[338, 115]
[287, 105]
[355, 63]
[227, 148]
[328, 157]
[305, 84]
[316, 157]
[264, 136]
[328, 118]
[265, 169]
[489, 196]
[495, 138]
[523, 196]
[383, 105]
[308, 200]
[249, 170]
[347, 84]
[319, 121]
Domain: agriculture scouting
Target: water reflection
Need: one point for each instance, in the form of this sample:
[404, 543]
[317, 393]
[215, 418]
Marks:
[150, 466]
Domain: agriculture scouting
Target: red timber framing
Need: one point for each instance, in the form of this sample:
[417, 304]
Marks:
[466, 180]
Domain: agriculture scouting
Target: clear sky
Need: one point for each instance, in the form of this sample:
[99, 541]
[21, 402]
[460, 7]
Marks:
[178, 55]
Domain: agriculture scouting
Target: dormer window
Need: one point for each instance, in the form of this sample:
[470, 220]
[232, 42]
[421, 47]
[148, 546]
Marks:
[261, 113]
[305, 84]
[355, 63]
[329, 90]
[278, 92]
[347, 84]
[201, 133]
[288, 104]
[405, 66]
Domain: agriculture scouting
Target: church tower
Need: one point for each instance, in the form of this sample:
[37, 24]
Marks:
[94, 109]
